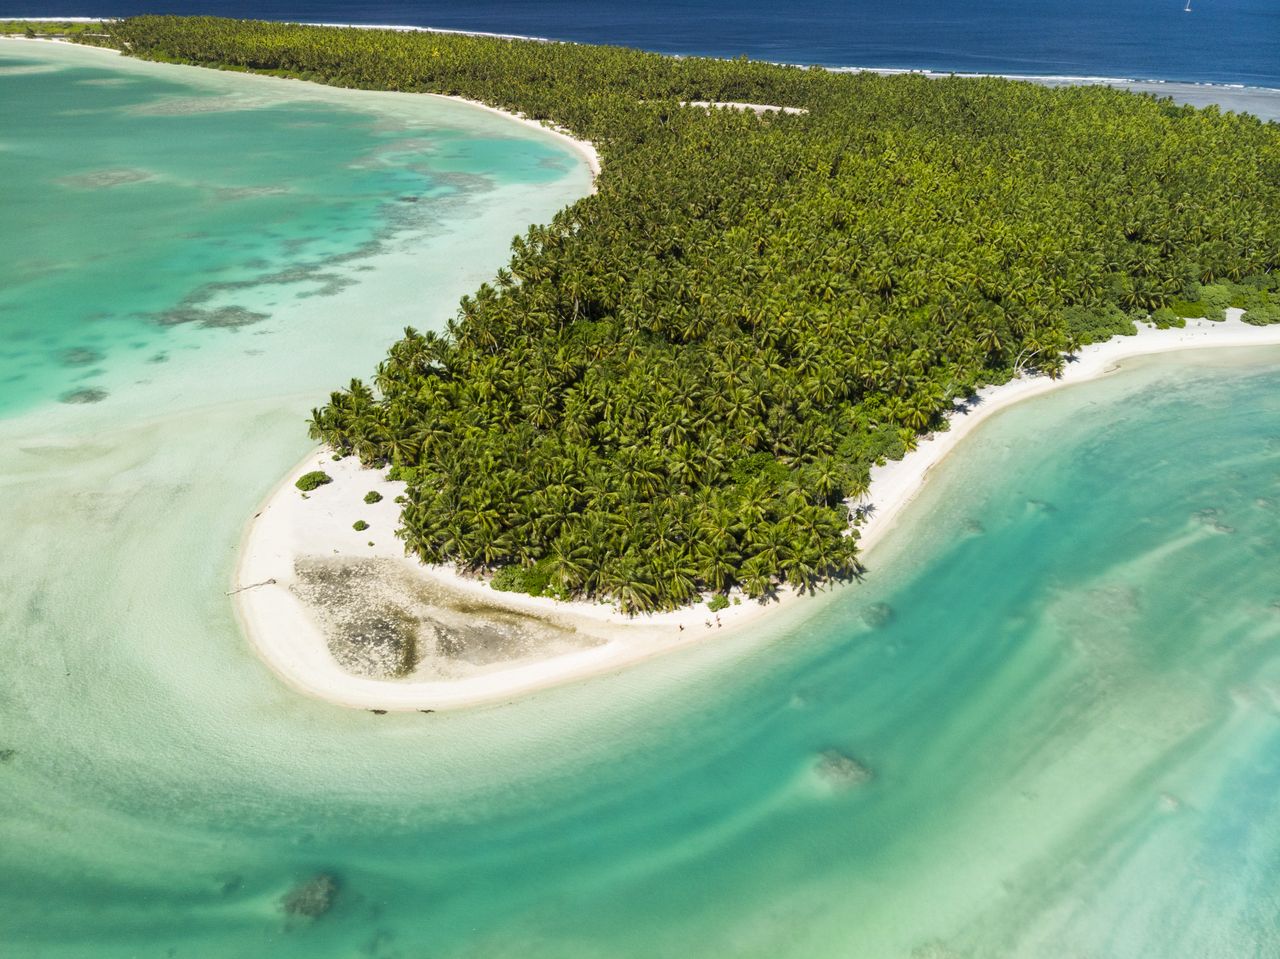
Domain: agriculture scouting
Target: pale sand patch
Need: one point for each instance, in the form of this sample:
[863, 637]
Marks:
[286, 634]
[757, 108]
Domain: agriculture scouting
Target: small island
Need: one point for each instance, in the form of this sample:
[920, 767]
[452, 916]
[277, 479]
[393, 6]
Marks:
[345, 615]
[671, 403]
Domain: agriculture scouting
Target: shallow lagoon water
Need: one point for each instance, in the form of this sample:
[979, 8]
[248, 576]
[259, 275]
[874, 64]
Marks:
[152, 212]
[1062, 674]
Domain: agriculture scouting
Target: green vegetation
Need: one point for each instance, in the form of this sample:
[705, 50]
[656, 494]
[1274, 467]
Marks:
[534, 580]
[373, 496]
[1094, 324]
[1260, 299]
[1265, 315]
[359, 526]
[309, 481]
[718, 602]
[91, 33]
[1165, 319]
[679, 384]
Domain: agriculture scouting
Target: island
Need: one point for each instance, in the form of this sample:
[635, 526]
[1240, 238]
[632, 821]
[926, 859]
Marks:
[682, 398]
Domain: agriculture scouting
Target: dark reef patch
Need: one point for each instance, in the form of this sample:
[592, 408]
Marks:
[312, 898]
[878, 615]
[87, 395]
[80, 356]
[218, 318]
[841, 771]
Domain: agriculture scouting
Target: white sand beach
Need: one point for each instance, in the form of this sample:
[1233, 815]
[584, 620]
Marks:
[584, 148]
[288, 637]
[286, 633]
[896, 484]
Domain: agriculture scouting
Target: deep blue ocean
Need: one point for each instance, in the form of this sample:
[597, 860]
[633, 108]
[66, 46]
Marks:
[1219, 41]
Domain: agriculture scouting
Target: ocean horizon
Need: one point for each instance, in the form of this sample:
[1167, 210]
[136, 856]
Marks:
[1134, 40]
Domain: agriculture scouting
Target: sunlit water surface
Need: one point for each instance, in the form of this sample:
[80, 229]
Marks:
[1062, 671]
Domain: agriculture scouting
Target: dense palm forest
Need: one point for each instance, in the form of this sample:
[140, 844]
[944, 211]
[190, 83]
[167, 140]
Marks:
[679, 385]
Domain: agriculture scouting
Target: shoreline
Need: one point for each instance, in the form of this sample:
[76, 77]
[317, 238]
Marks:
[585, 149]
[287, 636]
[289, 639]
[897, 483]
[302, 660]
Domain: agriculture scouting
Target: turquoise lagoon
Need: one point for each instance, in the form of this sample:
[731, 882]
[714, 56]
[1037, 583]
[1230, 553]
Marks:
[1063, 670]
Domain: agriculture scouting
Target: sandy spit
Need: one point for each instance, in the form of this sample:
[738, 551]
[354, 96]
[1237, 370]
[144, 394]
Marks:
[287, 637]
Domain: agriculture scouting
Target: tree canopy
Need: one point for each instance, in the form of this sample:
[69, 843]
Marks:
[680, 383]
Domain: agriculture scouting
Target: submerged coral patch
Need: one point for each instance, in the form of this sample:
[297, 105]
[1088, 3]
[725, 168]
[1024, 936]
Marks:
[1212, 519]
[87, 395]
[841, 771]
[216, 318]
[877, 615]
[80, 356]
[312, 898]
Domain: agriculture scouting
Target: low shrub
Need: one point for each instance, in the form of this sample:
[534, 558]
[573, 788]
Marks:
[1216, 297]
[373, 496]
[309, 481]
[1165, 319]
[534, 580]
[1089, 325]
[1264, 315]
[718, 602]
[359, 526]
[1189, 309]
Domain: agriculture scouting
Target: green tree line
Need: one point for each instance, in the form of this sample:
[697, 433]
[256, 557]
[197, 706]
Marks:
[679, 385]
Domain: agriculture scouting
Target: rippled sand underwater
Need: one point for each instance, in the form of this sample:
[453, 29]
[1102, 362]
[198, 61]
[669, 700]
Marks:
[1048, 725]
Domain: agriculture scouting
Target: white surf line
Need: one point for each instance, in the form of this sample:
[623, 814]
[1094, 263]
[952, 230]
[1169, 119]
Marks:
[931, 72]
